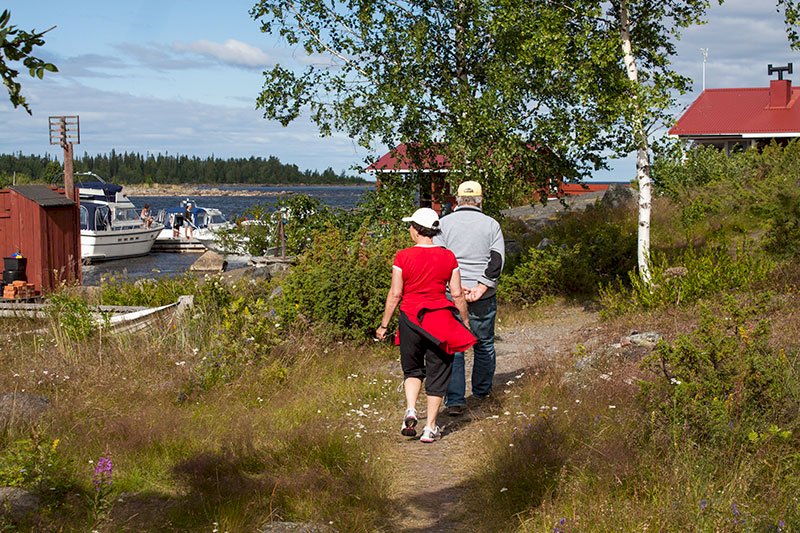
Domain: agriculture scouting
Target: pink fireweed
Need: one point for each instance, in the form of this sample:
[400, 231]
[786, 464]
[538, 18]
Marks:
[103, 471]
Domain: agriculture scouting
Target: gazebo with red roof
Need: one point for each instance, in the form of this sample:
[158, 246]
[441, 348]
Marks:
[736, 119]
[404, 159]
[399, 161]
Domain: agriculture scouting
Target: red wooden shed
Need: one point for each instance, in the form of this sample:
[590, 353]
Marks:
[42, 224]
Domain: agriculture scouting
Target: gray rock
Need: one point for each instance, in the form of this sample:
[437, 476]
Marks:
[18, 504]
[296, 527]
[544, 243]
[648, 339]
[21, 406]
[619, 195]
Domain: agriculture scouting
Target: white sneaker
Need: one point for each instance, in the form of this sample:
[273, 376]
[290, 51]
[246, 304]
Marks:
[409, 423]
[430, 434]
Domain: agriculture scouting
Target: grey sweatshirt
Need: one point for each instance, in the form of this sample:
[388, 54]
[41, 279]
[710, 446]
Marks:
[477, 242]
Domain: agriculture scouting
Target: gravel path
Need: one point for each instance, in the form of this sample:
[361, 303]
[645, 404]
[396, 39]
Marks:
[429, 476]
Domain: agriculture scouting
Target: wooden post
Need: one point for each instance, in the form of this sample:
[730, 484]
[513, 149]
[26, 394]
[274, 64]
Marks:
[69, 176]
[66, 131]
[282, 234]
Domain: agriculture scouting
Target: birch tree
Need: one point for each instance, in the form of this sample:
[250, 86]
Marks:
[648, 30]
[657, 24]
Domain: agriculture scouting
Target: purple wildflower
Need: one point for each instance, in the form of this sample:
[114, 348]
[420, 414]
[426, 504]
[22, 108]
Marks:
[557, 527]
[103, 471]
[703, 504]
[781, 525]
[735, 513]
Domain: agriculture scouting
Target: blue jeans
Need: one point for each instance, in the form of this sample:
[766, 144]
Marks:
[481, 321]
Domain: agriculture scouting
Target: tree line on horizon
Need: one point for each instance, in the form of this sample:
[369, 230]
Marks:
[133, 168]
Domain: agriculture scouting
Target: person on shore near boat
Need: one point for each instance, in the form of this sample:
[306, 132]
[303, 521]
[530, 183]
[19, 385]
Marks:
[477, 242]
[146, 216]
[177, 222]
[431, 327]
[187, 221]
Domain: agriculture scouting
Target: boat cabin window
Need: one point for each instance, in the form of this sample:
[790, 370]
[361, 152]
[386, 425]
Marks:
[200, 219]
[84, 217]
[126, 214]
[217, 219]
[102, 218]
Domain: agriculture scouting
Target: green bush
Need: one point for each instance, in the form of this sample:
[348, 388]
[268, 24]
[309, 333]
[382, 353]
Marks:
[694, 275]
[72, 315]
[588, 249]
[723, 385]
[35, 463]
[244, 333]
[535, 276]
[731, 198]
[342, 281]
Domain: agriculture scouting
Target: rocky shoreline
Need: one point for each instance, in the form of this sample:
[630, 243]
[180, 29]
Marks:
[192, 190]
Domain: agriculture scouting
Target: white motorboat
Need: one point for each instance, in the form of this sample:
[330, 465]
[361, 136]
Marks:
[176, 220]
[111, 226]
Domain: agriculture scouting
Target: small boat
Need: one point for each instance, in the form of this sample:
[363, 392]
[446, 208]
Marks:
[202, 220]
[111, 226]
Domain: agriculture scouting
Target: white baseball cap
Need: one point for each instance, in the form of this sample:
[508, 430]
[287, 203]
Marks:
[425, 217]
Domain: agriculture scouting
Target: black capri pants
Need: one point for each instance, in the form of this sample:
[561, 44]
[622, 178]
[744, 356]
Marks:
[422, 358]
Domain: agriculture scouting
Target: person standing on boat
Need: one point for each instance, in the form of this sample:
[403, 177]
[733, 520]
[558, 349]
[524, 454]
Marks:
[187, 220]
[477, 242]
[429, 330]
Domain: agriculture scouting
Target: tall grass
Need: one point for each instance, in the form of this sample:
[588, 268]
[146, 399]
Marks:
[282, 437]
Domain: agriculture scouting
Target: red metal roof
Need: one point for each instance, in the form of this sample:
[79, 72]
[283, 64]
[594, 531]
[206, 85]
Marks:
[749, 112]
[399, 160]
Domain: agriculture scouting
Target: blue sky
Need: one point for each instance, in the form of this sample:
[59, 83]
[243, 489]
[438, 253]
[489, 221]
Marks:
[180, 76]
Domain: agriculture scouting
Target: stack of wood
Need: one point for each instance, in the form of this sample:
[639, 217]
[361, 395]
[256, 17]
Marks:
[19, 289]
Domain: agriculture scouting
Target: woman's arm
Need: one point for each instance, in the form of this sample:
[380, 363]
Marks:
[392, 299]
[458, 295]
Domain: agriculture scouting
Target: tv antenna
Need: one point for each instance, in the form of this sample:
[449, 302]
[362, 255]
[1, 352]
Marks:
[704, 51]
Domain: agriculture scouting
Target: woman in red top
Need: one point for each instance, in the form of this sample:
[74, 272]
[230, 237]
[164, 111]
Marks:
[429, 329]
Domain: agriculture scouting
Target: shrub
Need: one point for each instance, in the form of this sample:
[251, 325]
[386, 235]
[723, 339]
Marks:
[535, 276]
[722, 384]
[35, 463]
[72, 315]
[694, 275]
[342, 281]
[589, 248]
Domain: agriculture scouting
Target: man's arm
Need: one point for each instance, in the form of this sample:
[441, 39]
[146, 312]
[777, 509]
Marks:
[497, 256]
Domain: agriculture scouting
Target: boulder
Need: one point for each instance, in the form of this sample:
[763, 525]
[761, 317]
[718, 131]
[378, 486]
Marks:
[619, 195]
[296, 527]
[21, 406]
[209, 262]
[18, 505]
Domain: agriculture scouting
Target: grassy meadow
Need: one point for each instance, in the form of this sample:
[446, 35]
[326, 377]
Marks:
[269, 402]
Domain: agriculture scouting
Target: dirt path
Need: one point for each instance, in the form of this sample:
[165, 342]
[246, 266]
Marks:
[430, 476]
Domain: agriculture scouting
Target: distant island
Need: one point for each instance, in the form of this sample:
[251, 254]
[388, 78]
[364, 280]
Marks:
[129, 168]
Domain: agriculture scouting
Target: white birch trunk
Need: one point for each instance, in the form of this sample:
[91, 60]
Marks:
[642, 156]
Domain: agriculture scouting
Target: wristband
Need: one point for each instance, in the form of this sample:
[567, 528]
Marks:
[384, 327]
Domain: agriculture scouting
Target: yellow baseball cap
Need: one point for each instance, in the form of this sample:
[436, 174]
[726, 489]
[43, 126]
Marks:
[470, 188]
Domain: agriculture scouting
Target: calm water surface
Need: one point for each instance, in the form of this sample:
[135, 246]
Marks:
[172, 264]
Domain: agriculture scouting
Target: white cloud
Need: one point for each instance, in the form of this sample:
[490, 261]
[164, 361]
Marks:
[231, 52]
[131, 123]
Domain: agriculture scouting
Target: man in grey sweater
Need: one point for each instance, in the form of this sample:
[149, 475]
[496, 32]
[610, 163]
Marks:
[477, 242]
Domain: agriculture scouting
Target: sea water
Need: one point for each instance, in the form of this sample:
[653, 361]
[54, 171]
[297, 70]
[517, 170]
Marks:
[155, 265]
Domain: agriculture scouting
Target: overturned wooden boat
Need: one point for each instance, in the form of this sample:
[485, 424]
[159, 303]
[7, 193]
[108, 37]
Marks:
[109, 318]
